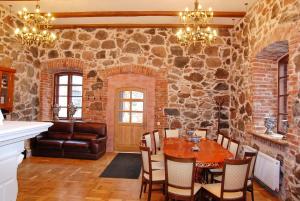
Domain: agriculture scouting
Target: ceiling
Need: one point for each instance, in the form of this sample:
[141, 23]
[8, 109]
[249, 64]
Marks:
[79, 11]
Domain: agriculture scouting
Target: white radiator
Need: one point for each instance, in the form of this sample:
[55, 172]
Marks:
[267, 169]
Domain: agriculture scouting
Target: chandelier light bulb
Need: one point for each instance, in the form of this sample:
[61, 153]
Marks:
[199, 7]
[215, 33]
[210, 9]
[53, 36]
[25, 9]
[186, 9]
[17, 31]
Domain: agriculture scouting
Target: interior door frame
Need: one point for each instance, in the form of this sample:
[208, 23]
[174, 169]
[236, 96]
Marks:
[116, 109]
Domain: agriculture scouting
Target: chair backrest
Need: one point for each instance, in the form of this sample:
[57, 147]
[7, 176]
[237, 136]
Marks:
[201, 133]
[235, 176]
[146, 161]
[147, 137]
[220, 138]
[143, 143]
[253, 156]
[156, 140]
[171, 133]
[180, 173]
[234, 147]
[225, 142]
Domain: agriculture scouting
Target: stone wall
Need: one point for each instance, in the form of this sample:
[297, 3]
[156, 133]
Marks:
[195, 76]
[267, 23]
[12, 54]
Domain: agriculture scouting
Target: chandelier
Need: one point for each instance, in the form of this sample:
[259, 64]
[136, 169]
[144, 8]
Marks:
[35, 30]
[196, 27]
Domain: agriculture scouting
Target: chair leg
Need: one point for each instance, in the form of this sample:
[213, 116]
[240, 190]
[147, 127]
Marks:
[142, 185]
[149, 191]
[145, 187]
[252, 193]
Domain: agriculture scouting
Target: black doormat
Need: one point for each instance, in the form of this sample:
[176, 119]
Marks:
[124, 165]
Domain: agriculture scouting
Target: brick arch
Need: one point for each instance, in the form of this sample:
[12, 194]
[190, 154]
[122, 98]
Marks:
[48, 69]
[118, 75]
[281, 33]
[134, 69]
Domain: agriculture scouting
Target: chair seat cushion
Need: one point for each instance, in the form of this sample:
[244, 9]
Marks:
[184, 192]
[157, 175]
[50, 144]
[75, 146]
[157, 157]
[217, 170]
[219, 179]
[215, 189]
[84, 136]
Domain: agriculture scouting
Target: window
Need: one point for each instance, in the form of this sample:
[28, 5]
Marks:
[131, 107]
[282, 93]
[68, 89]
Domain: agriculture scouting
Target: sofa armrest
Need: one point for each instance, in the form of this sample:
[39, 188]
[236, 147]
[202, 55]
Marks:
[99, 140]
[98, 145]
[41, 135]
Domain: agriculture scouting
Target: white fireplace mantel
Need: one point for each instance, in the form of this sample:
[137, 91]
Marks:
[12, 137]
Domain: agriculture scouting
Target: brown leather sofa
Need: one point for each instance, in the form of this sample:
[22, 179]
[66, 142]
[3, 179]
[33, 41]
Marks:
[71, 140]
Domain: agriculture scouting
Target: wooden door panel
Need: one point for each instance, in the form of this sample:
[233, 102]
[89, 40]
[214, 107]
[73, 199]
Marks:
[128, 135]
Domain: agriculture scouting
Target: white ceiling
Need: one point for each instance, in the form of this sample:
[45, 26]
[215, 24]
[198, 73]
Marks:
[128, 5]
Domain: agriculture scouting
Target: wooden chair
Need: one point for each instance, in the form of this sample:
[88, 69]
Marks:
[149, 176]
[171, 133]
[225, 142]
[157, 144]
[218, 171]
[180, 178]
[253, 156]
[220, 138]
[147, 139]
[234, 182]
[201, 133]
[234, 147]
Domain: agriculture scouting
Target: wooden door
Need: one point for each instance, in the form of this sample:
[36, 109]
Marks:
[130, 118]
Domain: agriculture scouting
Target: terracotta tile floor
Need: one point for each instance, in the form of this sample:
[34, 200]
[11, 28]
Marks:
[51, 179]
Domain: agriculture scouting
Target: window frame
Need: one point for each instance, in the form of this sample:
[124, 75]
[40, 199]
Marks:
[282, 63]
[130, 111]
[69, 91]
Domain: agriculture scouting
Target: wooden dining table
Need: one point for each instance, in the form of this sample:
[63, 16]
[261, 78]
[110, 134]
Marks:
[210, 154]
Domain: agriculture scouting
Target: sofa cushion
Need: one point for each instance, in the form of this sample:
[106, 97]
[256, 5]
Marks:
[88, 127]
[62, 126]
[59, 135]
[50, 144]
[76, 146]
[84, 136]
